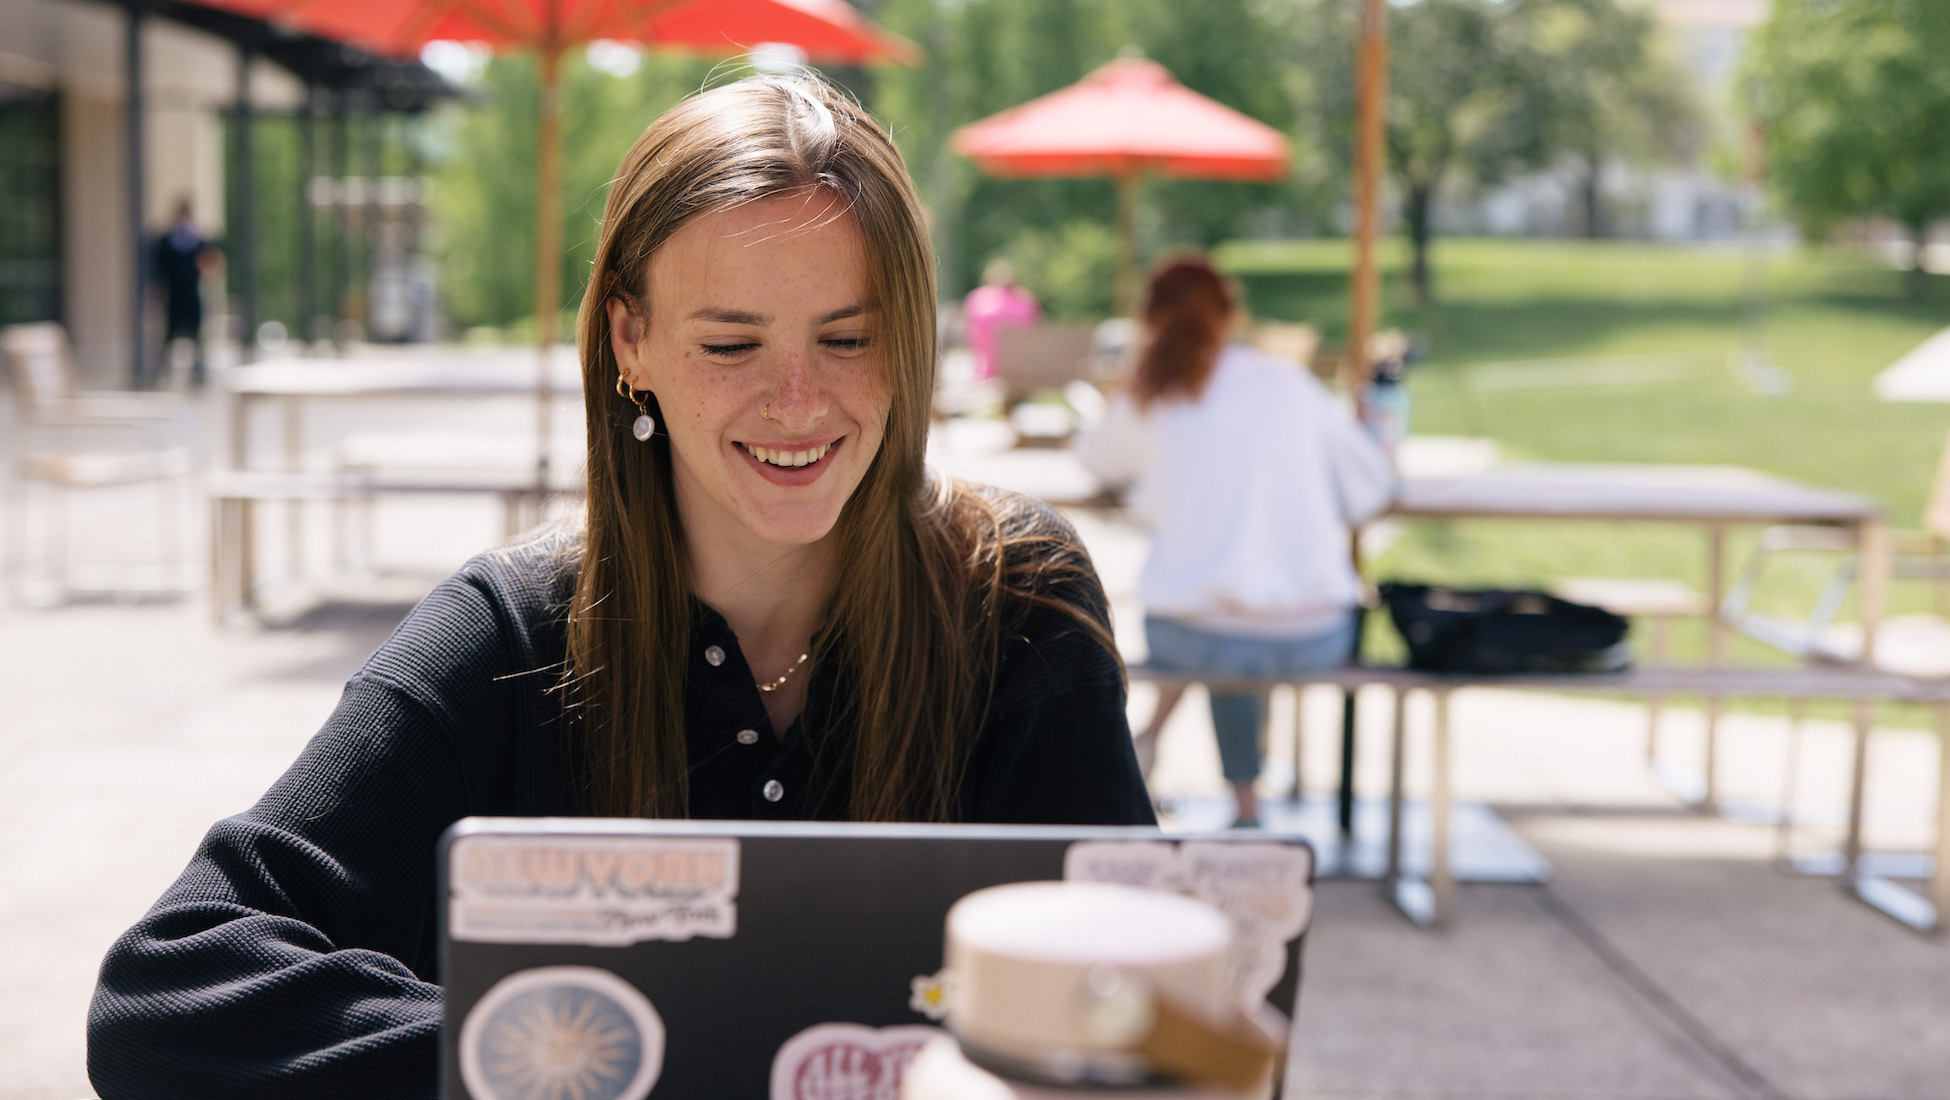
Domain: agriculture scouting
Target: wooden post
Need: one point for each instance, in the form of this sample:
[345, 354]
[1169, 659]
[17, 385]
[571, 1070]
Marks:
[1364, 289]
[243, 218]
[305, 324]
[134, 123]
[548, 250]
[1126, 284]
[1364, 292]
[340, 150]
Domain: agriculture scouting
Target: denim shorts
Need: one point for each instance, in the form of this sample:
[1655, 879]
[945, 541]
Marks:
[1177, 647]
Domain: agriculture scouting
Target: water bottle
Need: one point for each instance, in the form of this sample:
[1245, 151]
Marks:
[1387, 405]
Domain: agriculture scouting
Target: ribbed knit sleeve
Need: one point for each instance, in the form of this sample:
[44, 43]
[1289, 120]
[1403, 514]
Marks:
[296, 955]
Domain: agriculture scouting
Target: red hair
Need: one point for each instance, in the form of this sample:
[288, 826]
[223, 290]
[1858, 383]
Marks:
[1187, 308]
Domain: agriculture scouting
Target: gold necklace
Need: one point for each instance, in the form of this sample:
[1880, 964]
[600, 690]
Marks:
[780, 682]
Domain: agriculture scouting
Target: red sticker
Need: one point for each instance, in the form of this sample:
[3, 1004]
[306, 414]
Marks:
[846, 1062]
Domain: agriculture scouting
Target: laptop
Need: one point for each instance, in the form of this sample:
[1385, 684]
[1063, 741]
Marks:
[620, 959]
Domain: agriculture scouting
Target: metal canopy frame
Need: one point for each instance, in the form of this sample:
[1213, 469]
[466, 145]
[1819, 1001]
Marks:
[358, 80]
[390, 84]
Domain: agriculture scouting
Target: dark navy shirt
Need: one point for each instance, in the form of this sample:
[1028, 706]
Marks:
[295, 957]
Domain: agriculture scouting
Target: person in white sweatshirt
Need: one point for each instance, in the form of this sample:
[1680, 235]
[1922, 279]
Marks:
[1251, 474]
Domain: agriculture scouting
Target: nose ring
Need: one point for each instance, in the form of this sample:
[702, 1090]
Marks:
[765, 411]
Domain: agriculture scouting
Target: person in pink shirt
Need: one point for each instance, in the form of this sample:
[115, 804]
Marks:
[998, 302]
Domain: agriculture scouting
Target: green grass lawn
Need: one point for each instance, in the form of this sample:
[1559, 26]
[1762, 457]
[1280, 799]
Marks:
[1629, 352]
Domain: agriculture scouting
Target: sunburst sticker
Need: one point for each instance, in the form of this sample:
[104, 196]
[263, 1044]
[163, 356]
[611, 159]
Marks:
[562, 1033]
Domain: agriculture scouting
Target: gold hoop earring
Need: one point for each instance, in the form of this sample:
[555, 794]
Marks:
[646, 425]
[765, 411]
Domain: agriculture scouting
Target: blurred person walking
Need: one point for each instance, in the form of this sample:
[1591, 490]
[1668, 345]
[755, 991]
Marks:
[1251, 474]
[182, 258]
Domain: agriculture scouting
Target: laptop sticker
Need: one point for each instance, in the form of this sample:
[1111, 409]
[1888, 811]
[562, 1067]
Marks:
[847, 1062]
[561, 1031]
[598, 891]
[1262, 887]
[928, 994]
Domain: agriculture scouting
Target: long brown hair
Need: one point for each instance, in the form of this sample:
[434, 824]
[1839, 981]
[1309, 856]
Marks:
[1188, 306]
[928, 568]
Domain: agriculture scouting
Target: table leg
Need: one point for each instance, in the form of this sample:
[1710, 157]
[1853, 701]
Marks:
[1347, 766]
[1264, 735]
[1299, 741]
[1661, 626]
[1940, 867]
[240, 418]
[294, 511]
[1441, 882]
[1790, 783]
[1857, 786]
[294, 444]
[1347, 717]
[1922, 911]
[1398, 741]
[223, 521]
[227, 563]
[1428, 902]
[1716, 593]
[247, 554]
[1873, 591]
[1709, 798]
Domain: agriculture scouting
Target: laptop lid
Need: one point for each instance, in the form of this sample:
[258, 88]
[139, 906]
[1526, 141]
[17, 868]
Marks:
[617, 959]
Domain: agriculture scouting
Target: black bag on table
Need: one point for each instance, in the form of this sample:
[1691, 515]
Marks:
[1501, 631]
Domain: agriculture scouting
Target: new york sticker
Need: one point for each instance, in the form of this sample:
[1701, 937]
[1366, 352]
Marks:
[599, 891]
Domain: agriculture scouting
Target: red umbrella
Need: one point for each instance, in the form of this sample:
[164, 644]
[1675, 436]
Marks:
[827, 30]
[1127, 119]
[830, 31]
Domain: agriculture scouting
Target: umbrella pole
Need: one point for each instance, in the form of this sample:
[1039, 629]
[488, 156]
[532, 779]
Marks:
[1126, 285]
[548, 259]
[1371, 93]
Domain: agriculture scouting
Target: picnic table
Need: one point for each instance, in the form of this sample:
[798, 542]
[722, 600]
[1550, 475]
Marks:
[444, 373]
[291, 384]
[1714, 499]
[1431, 901]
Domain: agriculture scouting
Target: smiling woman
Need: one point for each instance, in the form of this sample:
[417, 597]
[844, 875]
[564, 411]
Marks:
[771, 609]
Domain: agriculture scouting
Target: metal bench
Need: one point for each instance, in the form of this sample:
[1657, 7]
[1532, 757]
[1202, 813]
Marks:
[1432, 902]
[1657, 603]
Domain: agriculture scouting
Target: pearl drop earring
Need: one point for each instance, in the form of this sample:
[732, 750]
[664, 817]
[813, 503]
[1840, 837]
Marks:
[645, 425]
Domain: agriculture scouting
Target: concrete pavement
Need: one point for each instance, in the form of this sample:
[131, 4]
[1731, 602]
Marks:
[1667, 957]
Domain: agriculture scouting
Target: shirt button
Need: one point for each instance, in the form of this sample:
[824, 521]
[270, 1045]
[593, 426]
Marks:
[748, 737]
[714, 655]
[774, 790]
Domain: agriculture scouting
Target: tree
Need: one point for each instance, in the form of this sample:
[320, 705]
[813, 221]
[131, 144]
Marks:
[979, 57]
[1479, 90]
[1467, 100]
[983, 56]
[484, 182]
[1467, 95]
[1613, 92]
[1854, 98]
